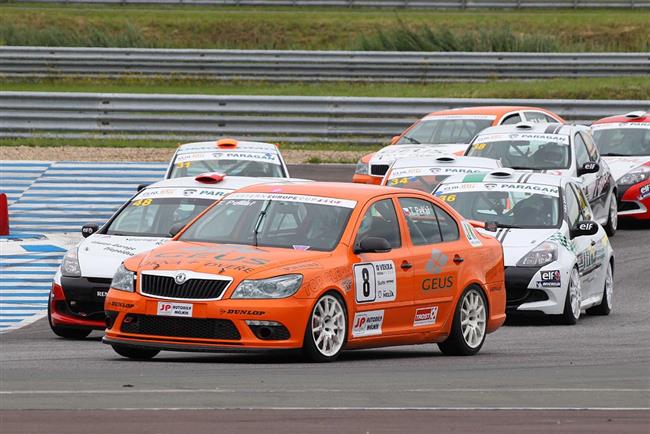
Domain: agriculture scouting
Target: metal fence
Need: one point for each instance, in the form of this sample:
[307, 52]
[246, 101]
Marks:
[315, 65]
[431, 4]
[275, 118]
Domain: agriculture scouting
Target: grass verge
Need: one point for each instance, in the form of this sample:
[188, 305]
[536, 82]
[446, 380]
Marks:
[585, 88]
[321, 29]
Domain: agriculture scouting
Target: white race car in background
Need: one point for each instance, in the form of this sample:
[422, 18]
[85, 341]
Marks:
[80, 285]
[559, 150]
[624, 142]
[230, 157]
[426, 173]
[558, 261]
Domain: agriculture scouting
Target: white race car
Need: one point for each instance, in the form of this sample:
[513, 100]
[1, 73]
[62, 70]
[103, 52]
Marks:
[426, 173]
[148, 219]
[230, 157]
[624, 142]
[558, 261]
[559, 150]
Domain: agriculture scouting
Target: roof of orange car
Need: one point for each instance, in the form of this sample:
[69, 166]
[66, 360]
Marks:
[496, 110]
[339, 190]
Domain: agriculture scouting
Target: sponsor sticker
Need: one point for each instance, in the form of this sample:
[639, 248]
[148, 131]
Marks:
[470, 234]
[549, 190]
[264, 157]
[102, 294]
[367, 323]
[428, 171]
[508, 137]
[165, 193]
[550, 279]
[166, 308]
[425, 316]
[613, 126]
[644, 192]
[375, 282]
[316, 200]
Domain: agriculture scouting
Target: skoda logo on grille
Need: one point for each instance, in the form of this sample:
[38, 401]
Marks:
[180, 278]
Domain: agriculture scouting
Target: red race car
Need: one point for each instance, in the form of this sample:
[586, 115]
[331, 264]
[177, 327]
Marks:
[624, 143]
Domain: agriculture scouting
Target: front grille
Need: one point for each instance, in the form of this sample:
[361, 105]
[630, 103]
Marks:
[165, 286]
[378, 169]
[221, 329]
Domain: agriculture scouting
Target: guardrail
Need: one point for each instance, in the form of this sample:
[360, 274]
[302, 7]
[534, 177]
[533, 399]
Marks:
[424, 4]
[316, 65]
[274, 118]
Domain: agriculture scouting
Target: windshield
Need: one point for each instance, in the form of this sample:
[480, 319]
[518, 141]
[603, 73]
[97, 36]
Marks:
[154, 217]
[274, 220]
[253, 164]
[509, 204]
[524, 151]
[624, 141]
[445, 131]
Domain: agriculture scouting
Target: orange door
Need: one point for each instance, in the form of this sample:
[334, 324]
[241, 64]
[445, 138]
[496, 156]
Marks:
[383, 288]
[437, 259]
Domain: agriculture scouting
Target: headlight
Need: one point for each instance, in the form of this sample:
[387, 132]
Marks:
[123, 279]
[637, 175]
[275, 287]
[361, 169]
[541, 255]
[70, 265]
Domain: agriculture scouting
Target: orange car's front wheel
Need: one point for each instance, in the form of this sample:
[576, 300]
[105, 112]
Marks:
[327, 328]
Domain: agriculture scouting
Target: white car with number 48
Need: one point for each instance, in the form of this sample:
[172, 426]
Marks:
[558, 261]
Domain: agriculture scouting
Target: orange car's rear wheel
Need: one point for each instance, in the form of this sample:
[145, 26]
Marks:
[327, 329]
[469, 326]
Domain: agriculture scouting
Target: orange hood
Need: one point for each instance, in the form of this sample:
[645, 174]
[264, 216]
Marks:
[237, 261]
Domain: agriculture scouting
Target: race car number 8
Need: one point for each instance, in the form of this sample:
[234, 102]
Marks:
[365, 275]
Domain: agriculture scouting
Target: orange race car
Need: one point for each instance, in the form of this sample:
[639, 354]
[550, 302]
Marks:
[317, 266]
[442, 133]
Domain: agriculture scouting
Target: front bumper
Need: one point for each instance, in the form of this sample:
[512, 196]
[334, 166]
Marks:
[221, 325]
[634, 201]
[527, 291]
[78, 302]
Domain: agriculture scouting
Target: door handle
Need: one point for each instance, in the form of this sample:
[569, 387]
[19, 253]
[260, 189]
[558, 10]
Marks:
[458, 259]
[406, 265]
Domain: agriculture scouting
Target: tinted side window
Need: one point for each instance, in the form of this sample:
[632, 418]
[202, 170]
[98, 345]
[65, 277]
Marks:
[582, 156]
[512, 119]
[380, 221]
[591, 146]
[421, 220]
[448, 226]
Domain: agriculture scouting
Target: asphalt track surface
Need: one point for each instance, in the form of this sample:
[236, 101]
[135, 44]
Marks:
[529, 377]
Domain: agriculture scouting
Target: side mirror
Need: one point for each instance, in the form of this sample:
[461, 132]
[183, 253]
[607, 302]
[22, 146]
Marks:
[175, 229]
[142, 186]
[373, 245]
[491, 226]
[588, 167]
[89, 229]
[394, 140]
[584, 228]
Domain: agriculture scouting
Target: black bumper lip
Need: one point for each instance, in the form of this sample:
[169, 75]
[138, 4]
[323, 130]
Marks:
[190, 347]
[81, 297]
[517, 281]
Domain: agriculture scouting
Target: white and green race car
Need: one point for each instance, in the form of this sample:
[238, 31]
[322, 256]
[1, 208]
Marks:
[558, 260]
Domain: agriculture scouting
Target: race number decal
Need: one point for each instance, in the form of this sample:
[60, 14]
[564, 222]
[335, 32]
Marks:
[367, 323]
[375, 282]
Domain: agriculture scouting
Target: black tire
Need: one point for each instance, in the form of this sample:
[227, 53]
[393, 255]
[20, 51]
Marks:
[135, 353]
[310, 349]
[567, 317]
[66, 332]
[612, 223]
[455, 344]
[605, 306]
